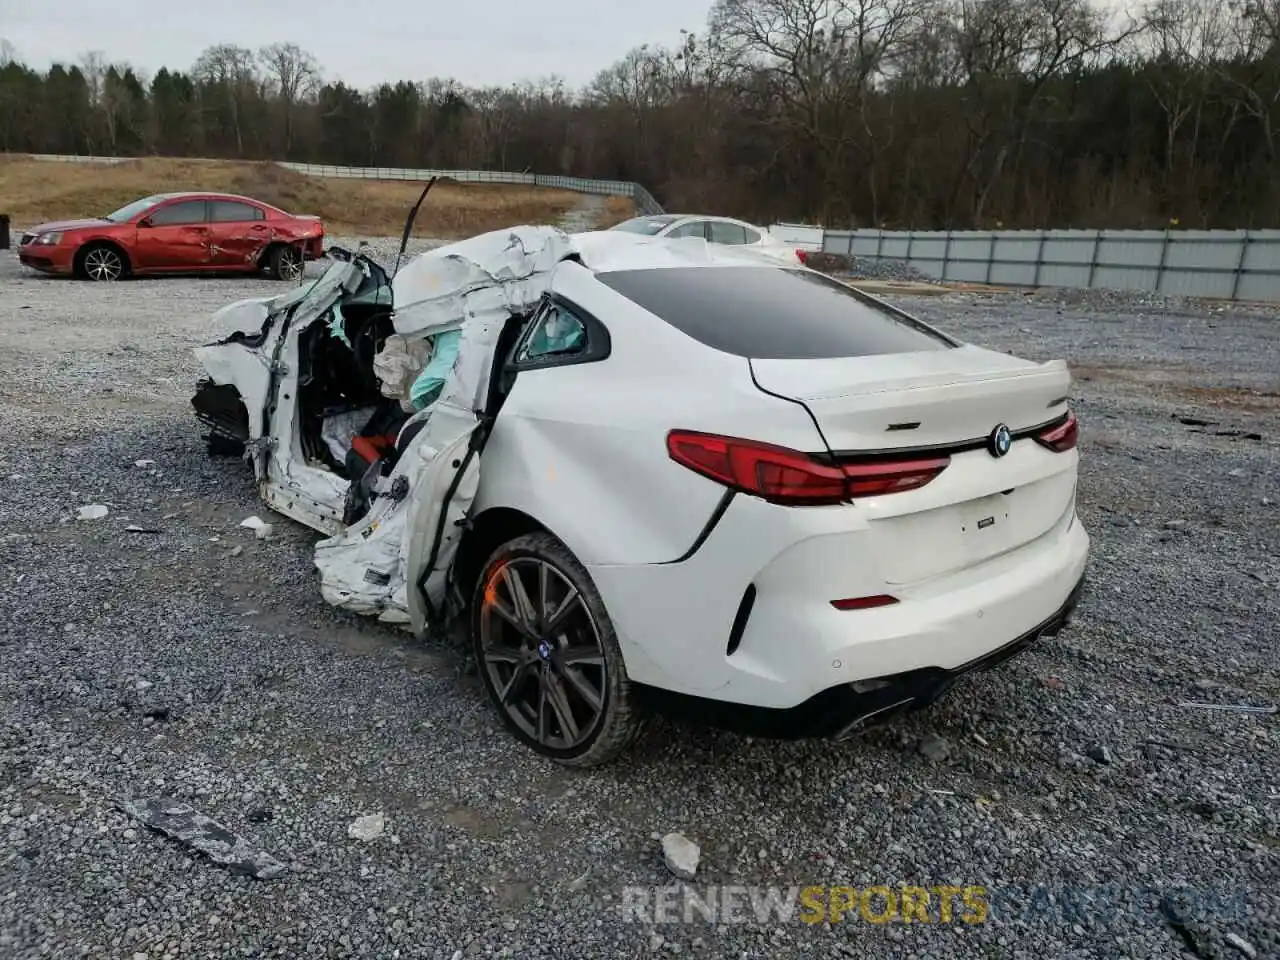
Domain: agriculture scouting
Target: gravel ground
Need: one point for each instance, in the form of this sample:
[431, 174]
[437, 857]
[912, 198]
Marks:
[201, 663]
[869, 268]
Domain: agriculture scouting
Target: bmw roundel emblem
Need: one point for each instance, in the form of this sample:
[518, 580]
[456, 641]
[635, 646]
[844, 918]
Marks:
[1000, 441]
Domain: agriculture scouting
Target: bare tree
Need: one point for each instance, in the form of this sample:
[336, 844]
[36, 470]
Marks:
[93, 65]
[233, 72]
[1184, 41]
[294, 76]
[823, 58]
[1009, 52]
[1255, 31]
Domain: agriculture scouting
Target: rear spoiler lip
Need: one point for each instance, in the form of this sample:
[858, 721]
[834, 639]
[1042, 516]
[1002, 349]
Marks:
[936, 449]
[875, 388]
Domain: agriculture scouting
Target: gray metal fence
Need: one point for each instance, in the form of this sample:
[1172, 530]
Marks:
[644, 201]
[1232, 264]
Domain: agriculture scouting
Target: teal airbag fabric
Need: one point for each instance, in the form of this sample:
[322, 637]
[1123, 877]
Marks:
[338, 325]
[444, 353]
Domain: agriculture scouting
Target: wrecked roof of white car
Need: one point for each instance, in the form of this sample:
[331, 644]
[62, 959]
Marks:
[438, 288]
[508, 269]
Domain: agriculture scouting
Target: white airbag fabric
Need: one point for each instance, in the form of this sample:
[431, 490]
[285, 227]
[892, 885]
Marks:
[373, 566]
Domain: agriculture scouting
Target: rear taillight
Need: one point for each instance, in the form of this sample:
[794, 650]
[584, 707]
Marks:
[1062, 436]
[785, 476]
[802, 256]
[774, 473]
[877, 477]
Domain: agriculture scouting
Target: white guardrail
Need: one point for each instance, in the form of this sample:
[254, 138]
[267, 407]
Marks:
[644, 201]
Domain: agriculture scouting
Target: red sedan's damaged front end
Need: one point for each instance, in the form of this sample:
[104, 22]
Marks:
[47, 253]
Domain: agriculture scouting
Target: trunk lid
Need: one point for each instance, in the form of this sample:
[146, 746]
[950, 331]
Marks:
[934, 398]
[981, 507]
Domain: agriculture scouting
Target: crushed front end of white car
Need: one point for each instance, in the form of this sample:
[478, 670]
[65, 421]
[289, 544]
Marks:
[356, 398]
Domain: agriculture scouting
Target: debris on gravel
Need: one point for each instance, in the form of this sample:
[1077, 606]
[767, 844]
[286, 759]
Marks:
[1099, 753]
[935, 747]
[366, 828]
[222, 846]
[1243, 946]
[681, 855]
[201, 664]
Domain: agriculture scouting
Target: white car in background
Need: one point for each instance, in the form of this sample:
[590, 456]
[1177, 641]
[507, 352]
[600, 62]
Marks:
[638, 489]
[720, 230]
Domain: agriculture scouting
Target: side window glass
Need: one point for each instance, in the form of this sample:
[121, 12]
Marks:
[752, 235]
[556, 332]
[724, 232]
[694, 229]
[189, 211]
[229, 211]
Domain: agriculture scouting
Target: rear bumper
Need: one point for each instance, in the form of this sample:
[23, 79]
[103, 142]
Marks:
[747, 619]
[841, 710]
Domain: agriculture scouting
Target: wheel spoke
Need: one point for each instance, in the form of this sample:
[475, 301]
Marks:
[544, 592]
[556, 620]
[496, 605]
[583, 656]
[583, 688]
[543, 675]
[521, 604]
[290, 264]
[563, 711]
[520, 673]
[543, 730]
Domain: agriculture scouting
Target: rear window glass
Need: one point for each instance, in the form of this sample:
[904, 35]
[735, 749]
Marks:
[772, 314]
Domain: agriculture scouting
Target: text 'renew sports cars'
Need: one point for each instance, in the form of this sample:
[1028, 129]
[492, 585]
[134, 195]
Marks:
[177, 233]
[651, 473]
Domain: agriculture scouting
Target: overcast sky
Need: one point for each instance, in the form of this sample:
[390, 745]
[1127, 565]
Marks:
[362, 42]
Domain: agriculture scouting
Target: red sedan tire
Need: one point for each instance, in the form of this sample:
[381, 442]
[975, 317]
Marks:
[101, 262]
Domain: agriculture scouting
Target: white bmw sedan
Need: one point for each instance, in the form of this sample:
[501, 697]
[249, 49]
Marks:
[653, 474]
[722, 230]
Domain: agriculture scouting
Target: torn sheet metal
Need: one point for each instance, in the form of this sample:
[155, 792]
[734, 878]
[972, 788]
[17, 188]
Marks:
[501, 270]
[459, 295]
[204, 834]
[371, 567]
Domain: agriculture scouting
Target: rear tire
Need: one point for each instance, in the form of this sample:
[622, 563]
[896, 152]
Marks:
[102, 263]
[285, 262]
[548, 655]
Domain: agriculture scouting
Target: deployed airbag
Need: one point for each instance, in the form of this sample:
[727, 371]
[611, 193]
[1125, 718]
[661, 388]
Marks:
[397, 366]
[444, 354]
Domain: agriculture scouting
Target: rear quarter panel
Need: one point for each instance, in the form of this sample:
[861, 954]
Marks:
[582, 448]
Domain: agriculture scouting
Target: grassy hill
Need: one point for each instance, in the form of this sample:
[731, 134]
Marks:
[32, 191]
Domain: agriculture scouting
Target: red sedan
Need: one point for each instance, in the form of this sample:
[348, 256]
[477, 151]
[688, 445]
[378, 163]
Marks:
[177, 233]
